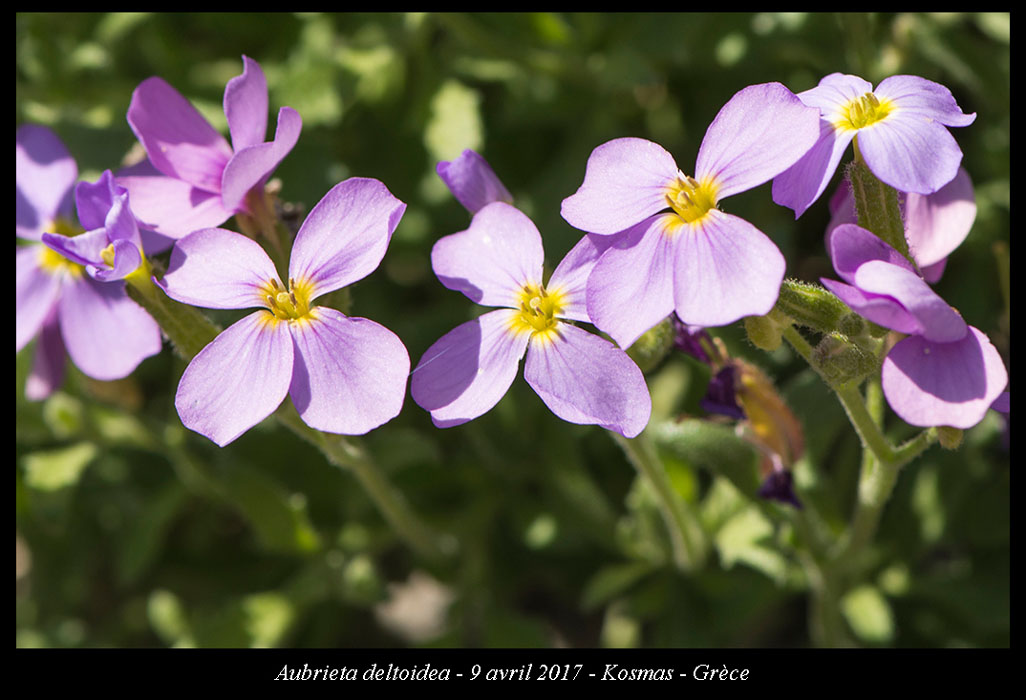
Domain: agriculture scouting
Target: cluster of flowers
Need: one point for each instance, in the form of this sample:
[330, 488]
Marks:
[656, 243]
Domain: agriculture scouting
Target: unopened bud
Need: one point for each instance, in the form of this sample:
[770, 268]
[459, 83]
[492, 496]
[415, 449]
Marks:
[763, 332]
[649, 350]
[949, 438]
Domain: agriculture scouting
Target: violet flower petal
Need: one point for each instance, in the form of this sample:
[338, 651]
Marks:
[585, 379]
[83, 249]
[44, 176]
[237, 380]
[93, 200]
[472, 181]
[245, 105]
[801, 185]
[880, 309]
[250, 167]
[178, 140]
[106, 333]
[173, 207]
[951, 384]
[631, 287]
[127, 259]
[909, 153]
[937, 320]
[47, 372]
[851, 246]
[625, 182]
[936, 224]
[469, 369]
[35, 293]
[570, 278]
[493, 259]
[725, 269]
[345, 236]
[219, 269]
[925, 98]
[349, 374]
[762, 131]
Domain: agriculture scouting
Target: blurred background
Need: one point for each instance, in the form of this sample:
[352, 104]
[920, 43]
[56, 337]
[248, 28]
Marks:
[133, 532]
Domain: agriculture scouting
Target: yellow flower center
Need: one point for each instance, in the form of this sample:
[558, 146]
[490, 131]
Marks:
[288, 305]
[691, 199]
[538, 310]
[863, 111]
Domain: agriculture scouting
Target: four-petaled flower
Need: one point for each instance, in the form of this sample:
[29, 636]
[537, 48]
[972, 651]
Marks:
[944, 372]
[899, 129]
[345, 375]
[202, 181]
[582, 378]
[673, 248]
[68, 291]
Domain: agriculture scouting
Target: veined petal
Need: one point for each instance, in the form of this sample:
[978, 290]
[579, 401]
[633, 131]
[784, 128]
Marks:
[245, 105]
[472, 181]
[349, 375]
[630, 288]
[851, 246]
[625, 182]
[800, 186]
[762, 131]
[106, 333]
[910, 153]
[346, 235]
[219, 269]
[252, 165]
[585, 379]
[492, 260]
[173, 207]
[44, 176]
[880, 309]
[83, 249]
[466, 371]
[938, 321]
[178, 140]
[570, 278]
[237, 380]
[951, 384]
[936, 224]
[834, 92]
[48, 365]
[925, 98]
[35, 293]
[725, 269]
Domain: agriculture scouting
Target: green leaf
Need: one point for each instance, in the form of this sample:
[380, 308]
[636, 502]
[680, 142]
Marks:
[280, 522]
[455, 122]
[57, 469]
[611, 581]
[711, 446]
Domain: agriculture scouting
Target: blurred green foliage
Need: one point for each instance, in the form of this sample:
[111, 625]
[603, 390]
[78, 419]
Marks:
[132, 531]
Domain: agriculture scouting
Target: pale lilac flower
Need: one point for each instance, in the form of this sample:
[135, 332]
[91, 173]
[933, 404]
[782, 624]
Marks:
[944, 372]
[203, 181]
[345, 375]
[673, 249]
[69, 294]
[899, 128]
[581, 377]
[935, 224]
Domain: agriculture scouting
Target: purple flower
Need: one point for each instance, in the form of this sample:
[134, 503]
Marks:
[945, 372]
[580, 377]
[900, 130]
[935, 224]
[203, 181]
[68, 292]
[345, 375]
[673, 248]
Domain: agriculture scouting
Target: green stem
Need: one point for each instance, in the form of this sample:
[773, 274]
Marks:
[346, 454]
[190, 331]
[685, 532]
